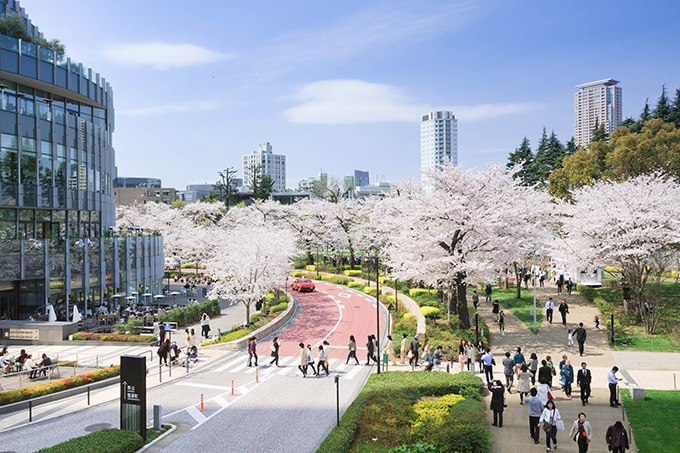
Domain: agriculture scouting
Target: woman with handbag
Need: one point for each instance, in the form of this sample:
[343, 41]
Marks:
[551, 422]
[581, 432]
[498, 402]
[275, 352]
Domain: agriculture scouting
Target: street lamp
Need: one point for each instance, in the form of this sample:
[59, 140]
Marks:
[377, 309]
[317, 261]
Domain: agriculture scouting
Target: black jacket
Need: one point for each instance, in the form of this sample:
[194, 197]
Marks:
[544, 374]
[580, 334]
[583, 379]
[497, 397]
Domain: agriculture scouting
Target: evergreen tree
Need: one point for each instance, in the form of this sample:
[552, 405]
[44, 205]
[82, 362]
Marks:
[549, 157]
[674, 115]
[570, 147]
[645, 115]
[663, 108]
[599, 133]
[224, 190]
[522, 155]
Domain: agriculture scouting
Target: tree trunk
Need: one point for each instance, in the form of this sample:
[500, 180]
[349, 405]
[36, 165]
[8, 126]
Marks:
[519, 283]
[247, 312]
[310, 258]
[463, 314]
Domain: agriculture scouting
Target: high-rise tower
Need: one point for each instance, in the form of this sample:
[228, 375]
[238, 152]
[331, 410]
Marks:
[596, 102]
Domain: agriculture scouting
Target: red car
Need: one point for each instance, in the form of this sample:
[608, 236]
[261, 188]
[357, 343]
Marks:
[303, 284]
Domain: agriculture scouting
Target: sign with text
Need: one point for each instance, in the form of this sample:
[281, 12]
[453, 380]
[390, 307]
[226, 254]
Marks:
[133, 394]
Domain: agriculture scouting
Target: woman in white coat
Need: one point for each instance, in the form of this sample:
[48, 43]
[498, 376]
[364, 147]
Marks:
[302, 366]
[523, 382]
[549, 420]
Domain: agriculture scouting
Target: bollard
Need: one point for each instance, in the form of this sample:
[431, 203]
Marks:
[160, 372]
[170, 368]
[96, 358]
[257, 375]
[337, 399]
[187, 363]
[201, 409]
[675, 384]
[232, 388]
[157, 417]
[88, 395]
[472, 368]
[30, 410]
[447, 365]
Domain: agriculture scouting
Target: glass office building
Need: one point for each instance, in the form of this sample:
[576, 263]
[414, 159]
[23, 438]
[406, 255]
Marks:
[56, 201]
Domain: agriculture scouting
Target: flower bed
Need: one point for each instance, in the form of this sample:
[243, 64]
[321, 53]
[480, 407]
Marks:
[87, 336]
[33, 391]
[109, 440]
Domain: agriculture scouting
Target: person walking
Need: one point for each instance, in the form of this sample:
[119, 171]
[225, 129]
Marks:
[327, 351]
[495, 309]
[617, 438]
[437, 358]
[352, 346]
[469, 354]
[581, 335]
[461, 355]
[550, 417]
[427, 357]
[475, 299]
[389, 350]
[187, 336]
[489, 362]
[519, 360]
[404, 349]
[501, 322]
[322, 362]
[581, 432]
[310, 359]
[567, 375]
[252, 351]
[523, 382]
[497, 402]
[163, 351]
[549, 307]
[192, 340]
[302, 366]
[415, 346]
[533, 366]
[553, 373]
[275, 352]
[508, 371]
[535, 410]
[488, 292]
[370, 353]
[583, 380]
[205, 325]
[563, 309]
[613, 382]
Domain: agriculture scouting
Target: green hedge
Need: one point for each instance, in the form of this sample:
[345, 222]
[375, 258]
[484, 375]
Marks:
[356, 285]
[370, 290]
[296, 274]
[109, 440]
[88, 336]
[415, 292]
[230, 336]
[587, 292]
[180, 314]
[46, 388]
[340, 280]
[399, 390]
[430, 312]
[279, 308]
[352, 273]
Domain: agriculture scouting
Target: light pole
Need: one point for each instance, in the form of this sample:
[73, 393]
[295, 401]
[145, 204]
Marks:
[317, 261]
[534, 279]
[377, 311]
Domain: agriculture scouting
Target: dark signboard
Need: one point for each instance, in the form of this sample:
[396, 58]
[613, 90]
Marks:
[133, 394]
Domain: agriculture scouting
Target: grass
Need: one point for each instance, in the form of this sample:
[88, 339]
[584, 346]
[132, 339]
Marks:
[521, 308]
[652, 419]
[648, 343]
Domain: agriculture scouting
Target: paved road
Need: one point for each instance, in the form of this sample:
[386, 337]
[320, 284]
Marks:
[282, 412]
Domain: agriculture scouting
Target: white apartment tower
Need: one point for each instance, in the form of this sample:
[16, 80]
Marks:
[272, 165]
[596, 102]
[438, 140]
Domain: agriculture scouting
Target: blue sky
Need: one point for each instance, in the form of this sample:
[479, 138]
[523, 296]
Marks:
[340, 86]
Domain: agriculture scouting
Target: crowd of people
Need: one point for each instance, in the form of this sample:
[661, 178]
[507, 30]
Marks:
[24, 363]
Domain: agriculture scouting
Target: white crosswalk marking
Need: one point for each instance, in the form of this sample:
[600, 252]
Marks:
[221, 401]
[203, 386]
[228, 365]
[341, 367]
[356, 370]
[196, 414]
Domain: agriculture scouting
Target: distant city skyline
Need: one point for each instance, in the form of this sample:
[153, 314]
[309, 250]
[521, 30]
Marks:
[342, 86]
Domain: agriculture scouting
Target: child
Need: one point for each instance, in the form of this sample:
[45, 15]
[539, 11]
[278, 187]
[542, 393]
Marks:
[570, 342]
[597, 323]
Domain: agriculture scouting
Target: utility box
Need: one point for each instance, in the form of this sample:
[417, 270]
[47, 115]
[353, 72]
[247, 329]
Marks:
[637, 393]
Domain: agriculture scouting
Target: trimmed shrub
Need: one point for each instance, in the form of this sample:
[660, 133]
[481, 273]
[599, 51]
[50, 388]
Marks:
[279, 307]
[356, 285]
[231, 336]
[340, 280]
[418, 447]
[370, 290]
[390, 299]
[254, 318]
[604, 306]
[466, 429]
[109, 440]
[325, 278]
[311, 268]
[296, 274]
[432, 413]
[415, 292]
[429, 312]
[586, 291]
[352, 273]
[118, 338]
[428, 302]
[409, 317]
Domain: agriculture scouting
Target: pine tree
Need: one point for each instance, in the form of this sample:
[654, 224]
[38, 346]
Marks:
[599, 133]
[674, 115]
[522, 155]
[570, 147]
[663, 108]
[645, 115]
[549, 157]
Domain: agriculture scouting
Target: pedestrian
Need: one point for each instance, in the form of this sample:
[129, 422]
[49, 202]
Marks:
[481, 350]
[489, 362]
[533, 367]
[322, 362]
[187, 336]
[535, 410]
[310, 359]
[275, 352]
[415, 346]
[192, 340]
[327, 351]
[461, 355]
[162, 352]
[570, 338]
[497, 402]
[526, 280]
[597, 323]
[389, 350]
[488, 292]
[475, 299]
[427, 347]
[437, 358]
[495, 308]
[541, 280]
[563, 309]
[581, 432]
[370, 353]
[548, 359]
[519, 360]
[550, 417]
[523, 382]
[302, 366]
[567, 375]
[404, 349]
[617, 438]
[252, 351]
[581, 335]
[613, 382]
[549, 307]
[205, 325]
[352, 346]
[469, 354]
[501, 322]
[508, 371]
[560, 284]
[570, 285]
[583, 379]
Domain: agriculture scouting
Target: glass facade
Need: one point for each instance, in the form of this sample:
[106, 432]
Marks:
[56, 200]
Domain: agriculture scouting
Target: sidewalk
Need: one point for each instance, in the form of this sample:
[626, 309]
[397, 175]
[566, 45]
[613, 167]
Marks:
[552, 340]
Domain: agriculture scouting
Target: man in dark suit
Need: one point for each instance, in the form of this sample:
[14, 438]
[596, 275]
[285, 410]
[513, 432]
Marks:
[583, 379]
[544, 373]
[580, 333]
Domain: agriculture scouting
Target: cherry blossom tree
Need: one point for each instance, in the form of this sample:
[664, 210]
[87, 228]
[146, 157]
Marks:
[464, 230]
[633, 225]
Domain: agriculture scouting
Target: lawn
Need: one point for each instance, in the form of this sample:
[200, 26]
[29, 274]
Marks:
[522, 308]
[655, 420]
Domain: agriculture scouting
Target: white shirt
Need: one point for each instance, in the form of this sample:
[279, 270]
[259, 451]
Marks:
[611, 377]
[549, 305]
[549, 416]
[28, 364]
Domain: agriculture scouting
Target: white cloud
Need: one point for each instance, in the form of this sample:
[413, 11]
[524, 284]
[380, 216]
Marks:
[344, 101]
[167, 109]
[161, 55]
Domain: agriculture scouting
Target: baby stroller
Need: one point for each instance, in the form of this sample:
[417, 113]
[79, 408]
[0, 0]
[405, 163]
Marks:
[193, 354]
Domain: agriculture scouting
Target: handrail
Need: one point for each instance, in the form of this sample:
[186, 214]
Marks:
[150, 351]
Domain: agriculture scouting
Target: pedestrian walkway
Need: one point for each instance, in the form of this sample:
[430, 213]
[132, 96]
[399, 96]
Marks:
[552, 340]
